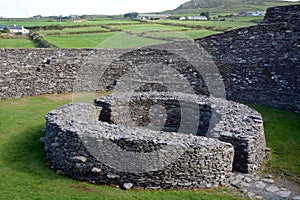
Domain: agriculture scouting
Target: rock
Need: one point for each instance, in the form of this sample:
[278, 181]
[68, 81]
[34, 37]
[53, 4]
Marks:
[42, 139]
[96, 170]
[272, 189]
[236, 183]
[250, 194]
[244, 184]
[260, 185]
[226, 134]
[80, 158]
[268, 180]
[259, 197]
[268, 176]
[248, 180]
[240, 176]
[112, 176]
[284, 194]
[127, 186]
[268, 149]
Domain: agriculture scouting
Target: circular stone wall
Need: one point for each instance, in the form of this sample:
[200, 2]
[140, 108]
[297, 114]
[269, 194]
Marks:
[116, 141]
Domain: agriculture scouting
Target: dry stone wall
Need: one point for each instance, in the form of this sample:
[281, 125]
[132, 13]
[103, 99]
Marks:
[82, 143]
[258, 64]
[261, 64]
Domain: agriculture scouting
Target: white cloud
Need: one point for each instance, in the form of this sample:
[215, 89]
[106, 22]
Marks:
[21, 8]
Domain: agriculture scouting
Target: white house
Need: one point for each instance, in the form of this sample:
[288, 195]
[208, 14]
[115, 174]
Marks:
[182, 18]
[145, 17]
[197, 18]
[15, 29]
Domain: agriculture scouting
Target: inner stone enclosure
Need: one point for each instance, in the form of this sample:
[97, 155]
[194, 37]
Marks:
[117, 141]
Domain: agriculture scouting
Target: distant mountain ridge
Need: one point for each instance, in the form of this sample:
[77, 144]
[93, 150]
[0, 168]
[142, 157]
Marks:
[228, 5]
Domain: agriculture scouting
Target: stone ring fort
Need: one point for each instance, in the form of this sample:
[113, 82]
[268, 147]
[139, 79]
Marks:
[195, 138]
[171, 119]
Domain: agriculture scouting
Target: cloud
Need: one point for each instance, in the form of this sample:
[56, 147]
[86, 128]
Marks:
[21, 8]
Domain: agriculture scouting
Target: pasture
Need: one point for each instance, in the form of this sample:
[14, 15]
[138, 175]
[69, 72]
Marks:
[16, 43]
[92, 33]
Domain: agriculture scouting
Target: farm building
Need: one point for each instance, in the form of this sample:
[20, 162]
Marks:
[144, 17]
[15, 29]
[197, 18]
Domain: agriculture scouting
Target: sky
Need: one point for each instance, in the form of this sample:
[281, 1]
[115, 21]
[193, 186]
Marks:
[29, 8]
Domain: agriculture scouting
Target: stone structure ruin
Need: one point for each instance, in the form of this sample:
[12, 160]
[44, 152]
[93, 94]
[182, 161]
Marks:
[258, 64]
[112, 141]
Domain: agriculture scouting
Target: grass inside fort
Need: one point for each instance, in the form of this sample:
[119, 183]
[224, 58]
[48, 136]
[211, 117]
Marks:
[24, 174]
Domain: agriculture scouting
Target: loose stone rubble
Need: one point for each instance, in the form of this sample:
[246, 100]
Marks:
[266, 187]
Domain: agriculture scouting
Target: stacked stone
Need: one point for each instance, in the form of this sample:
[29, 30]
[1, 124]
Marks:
[260, 64]
[230, 122]
[289, 15]
[78, 145]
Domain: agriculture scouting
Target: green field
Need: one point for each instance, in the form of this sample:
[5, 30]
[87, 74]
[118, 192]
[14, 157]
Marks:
[149, 27]
[79, 41]
[24, 174]
[193, 34]
[282, 131]
[31, 23]
[174, 30]
[100, 40]
[209, 24]
[16, 43]
[123, 40]
[72, 30]
[90, 34]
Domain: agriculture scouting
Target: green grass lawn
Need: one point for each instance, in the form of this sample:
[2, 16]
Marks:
[72, 30]
[123, 40]
[100, 40]
[30, 23]
[193, 34]
[16, 43]
[80, 40]
[24, 174]
[213, 24]
[282, 131]
[150, 27]
[248, 18]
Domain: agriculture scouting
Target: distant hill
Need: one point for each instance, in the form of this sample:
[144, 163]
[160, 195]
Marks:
[227, 6]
